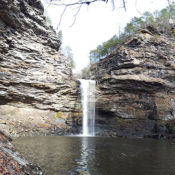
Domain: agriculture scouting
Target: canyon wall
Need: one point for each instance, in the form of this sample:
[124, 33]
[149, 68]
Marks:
[136, 87]
[37, 92]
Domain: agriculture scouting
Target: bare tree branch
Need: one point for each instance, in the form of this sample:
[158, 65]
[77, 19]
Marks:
[78, 4]
[124, 5]
[76, 14]
[168, 2]
[113, 4]
[137, 8]
[61, 17]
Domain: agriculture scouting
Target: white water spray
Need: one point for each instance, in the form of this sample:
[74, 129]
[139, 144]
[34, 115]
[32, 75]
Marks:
[88, 104]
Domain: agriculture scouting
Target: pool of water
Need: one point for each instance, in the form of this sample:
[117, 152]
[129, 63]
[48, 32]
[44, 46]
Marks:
[99, 156]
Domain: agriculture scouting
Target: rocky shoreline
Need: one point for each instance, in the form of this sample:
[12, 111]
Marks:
[11, 162]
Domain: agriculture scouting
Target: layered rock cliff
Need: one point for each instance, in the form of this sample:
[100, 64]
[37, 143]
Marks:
[136, 87]
[37, 92]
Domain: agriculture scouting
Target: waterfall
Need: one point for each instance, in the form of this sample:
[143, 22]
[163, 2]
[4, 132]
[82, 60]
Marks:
[88, 104]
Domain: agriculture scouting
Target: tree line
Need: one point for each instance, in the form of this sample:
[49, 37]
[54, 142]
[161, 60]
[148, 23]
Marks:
[163, 21]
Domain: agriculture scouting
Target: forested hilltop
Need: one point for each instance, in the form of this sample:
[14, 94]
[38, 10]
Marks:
[163, 22]
[135, 77]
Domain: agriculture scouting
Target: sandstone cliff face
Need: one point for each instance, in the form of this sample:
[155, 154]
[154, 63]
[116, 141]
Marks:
[136, 87]
[35, 78]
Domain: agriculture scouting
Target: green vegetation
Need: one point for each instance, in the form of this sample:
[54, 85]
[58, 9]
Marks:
[60, 35]
[84, 74]
[48, 19]
[60, 115]
[68, 53]
[162, 21]
[76, 114]
[155, 38]
[173, 32]
[162, 122]
[106, 48]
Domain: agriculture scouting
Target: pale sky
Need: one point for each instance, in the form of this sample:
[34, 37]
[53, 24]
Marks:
[96, 24]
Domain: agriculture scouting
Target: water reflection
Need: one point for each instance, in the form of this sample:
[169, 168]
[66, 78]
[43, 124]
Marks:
[84, 154]
[87, 155]
[99, 156]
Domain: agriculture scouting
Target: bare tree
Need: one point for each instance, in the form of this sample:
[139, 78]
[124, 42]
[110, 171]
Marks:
[78, 4]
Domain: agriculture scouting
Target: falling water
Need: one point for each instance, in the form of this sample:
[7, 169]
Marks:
[88, 104]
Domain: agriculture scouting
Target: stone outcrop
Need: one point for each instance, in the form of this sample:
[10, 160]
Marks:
[11, 162]
[136, 87]
[37, 92]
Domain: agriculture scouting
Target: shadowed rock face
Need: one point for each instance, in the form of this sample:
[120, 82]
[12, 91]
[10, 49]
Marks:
[11, 162]
[33, 72]
[136, 87]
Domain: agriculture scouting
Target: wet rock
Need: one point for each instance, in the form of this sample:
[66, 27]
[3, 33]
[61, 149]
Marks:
[11, 162]
[82, 172]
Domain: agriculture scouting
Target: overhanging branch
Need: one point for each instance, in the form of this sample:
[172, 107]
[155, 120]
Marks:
[79, 4]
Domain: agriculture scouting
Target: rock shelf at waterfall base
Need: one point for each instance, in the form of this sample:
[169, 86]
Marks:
[88, 106]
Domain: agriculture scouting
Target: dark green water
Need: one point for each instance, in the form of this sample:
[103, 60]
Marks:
[99, 156]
